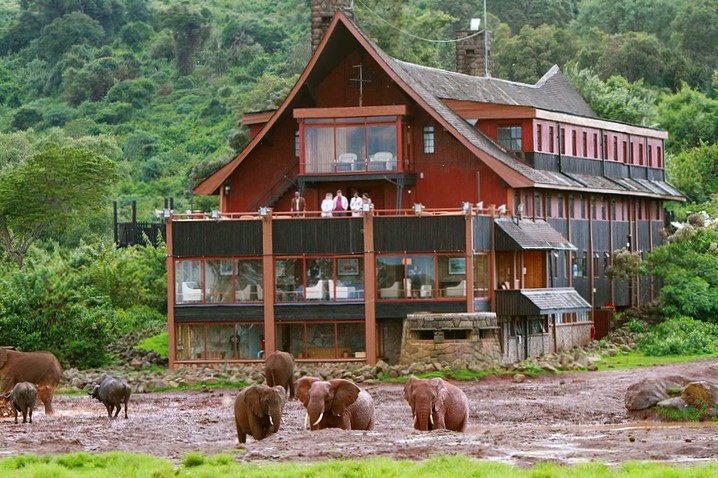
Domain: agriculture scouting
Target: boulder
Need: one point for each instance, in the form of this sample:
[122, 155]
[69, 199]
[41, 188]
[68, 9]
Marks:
[648, 392]
[700, 394]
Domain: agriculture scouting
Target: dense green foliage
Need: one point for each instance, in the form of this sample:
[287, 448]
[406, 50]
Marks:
[75, 302]
[680, 336]
[196, 465]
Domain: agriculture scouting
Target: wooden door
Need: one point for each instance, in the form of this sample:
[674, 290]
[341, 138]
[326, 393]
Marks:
[535, 264]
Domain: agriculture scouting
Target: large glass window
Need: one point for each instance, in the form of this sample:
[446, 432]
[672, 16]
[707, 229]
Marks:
[219, 282]
[189, 281]
[233, 341]
[322, 340]
[390, 277]
[509, 137]
[248, 280]
[350, 144]
[319, 279]
[481, 275]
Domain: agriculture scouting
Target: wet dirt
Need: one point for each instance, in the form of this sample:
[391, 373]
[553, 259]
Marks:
[563, 418]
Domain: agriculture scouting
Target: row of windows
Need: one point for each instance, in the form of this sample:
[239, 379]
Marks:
[245, 340]
[306, 279]
[578, 206]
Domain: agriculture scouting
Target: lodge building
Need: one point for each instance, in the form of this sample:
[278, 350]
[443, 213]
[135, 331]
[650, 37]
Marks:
[487, 196]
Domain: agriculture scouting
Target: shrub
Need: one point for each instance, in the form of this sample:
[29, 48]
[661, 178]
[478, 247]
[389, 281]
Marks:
[680, 336]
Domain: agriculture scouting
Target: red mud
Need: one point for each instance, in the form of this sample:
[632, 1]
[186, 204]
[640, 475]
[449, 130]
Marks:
[566, 418]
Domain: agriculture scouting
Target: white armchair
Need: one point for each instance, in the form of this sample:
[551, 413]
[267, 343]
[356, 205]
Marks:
[425, 291]
[381, 161]
[260, 292]
[315, 292]
[394, 291]
[341, 291]
[244, 294]
[345, 161]
[458, 290]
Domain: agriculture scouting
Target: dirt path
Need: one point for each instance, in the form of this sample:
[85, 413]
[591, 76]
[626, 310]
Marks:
[567, 418]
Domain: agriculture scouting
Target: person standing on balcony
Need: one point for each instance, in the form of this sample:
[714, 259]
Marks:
[327, 205]
[340, 203]
[298, 205]
[355, 204]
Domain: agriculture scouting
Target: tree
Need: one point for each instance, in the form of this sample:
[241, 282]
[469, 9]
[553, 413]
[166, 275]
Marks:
[72, 29]
[695, 171]
[47, 192]
[534, 13]
[690, 116]
[190, 29]
[695, 30]
[621, 16]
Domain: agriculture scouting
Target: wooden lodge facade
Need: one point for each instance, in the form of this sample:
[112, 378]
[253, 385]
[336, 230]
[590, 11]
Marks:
[487, 195]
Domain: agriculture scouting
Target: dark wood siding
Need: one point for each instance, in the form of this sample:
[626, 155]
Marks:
[601, 245]
[656, 228]
[482, 233]
[656, 174]
[219, 313]
[561, 225]
[638, 172]
[402, 309]
[318, 236]
[620, 288]
[615, 170]
[590, 167]
[216, 238]
[309, 312]
[420, 234]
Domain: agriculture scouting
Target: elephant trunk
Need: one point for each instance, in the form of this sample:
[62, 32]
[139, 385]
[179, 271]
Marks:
[424, 418]
[275, 418]
[315, 416]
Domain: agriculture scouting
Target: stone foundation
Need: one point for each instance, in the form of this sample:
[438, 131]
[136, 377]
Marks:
[460, 340]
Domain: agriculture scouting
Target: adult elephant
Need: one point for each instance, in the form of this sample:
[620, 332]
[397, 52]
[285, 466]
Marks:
[436, 404]
[258, 411]
[39, 368]
[337, 403]
[279, 370]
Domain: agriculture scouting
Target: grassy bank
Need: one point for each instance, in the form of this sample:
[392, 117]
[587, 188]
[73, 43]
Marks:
[112, 465]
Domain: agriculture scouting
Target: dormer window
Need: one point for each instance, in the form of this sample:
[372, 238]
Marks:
[509, 137]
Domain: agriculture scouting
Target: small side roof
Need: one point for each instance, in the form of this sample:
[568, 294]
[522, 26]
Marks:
[531, 302]
[529, 234]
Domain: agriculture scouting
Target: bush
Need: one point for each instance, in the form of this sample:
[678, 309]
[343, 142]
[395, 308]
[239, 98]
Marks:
[680, 336]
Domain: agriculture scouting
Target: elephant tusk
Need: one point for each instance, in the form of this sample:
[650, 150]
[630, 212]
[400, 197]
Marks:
[306, 421]
[431, 419]
[416, 419]
[271, 422]
[318, 419]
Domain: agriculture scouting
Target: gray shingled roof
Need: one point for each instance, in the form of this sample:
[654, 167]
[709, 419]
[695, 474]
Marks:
[553, 92]
[528, 234]
[547, 301]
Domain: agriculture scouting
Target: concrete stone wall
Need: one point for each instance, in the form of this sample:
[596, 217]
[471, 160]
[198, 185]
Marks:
[424, 340]
[322, 13]
[470, 58]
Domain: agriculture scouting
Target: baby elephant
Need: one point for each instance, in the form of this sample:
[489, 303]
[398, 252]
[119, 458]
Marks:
[258, 411]
[112, 393]
[22, 398]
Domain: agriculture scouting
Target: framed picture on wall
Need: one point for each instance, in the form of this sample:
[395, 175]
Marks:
[348, 267]
[225, 268]
[457, 265]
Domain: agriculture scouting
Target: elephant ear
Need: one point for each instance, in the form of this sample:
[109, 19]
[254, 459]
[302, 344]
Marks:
[301, 389]
[441, 391]
[345, 393]
[409, 390]
[253, 400]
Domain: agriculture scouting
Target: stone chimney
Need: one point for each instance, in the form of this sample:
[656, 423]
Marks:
[470, 57]
[322, 13]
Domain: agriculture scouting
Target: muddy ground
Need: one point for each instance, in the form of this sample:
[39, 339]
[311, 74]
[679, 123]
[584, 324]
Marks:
[566, 418]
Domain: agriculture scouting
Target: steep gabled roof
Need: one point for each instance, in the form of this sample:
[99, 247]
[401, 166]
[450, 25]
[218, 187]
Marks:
[553, 92]
[429, 87]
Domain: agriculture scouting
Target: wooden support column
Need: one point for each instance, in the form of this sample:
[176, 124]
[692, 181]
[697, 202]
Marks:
[469, 254]
[270, 333]
[493, 283]
[369, 289]
[171, 328]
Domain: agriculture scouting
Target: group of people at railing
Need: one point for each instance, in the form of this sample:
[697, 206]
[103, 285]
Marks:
[337, 205]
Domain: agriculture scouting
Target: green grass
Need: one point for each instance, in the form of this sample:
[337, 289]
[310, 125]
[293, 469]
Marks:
[112, 465]
[160, 343]
[636, 359]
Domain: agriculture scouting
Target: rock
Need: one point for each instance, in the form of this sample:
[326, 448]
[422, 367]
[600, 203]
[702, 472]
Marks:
[549, 368]
[592, 367]
[700, 394]
[648, 392]
[675, 402]
[519, 378]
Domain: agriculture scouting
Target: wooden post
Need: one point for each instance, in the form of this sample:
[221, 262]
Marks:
[469, 260]
[171, 328]
[369, 289]
[270, 336]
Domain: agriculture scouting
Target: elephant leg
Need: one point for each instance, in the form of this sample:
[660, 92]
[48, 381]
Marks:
[46, 393]
[439, 420]
[256, 428]
[241, 436]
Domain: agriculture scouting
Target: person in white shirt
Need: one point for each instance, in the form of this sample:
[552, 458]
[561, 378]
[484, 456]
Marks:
[355, 204]
[327, 205]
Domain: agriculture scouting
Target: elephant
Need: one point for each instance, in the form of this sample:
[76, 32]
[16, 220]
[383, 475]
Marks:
[258, 411]
[436, 404]
[337, 403]
[279, 370]
[42, 369]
